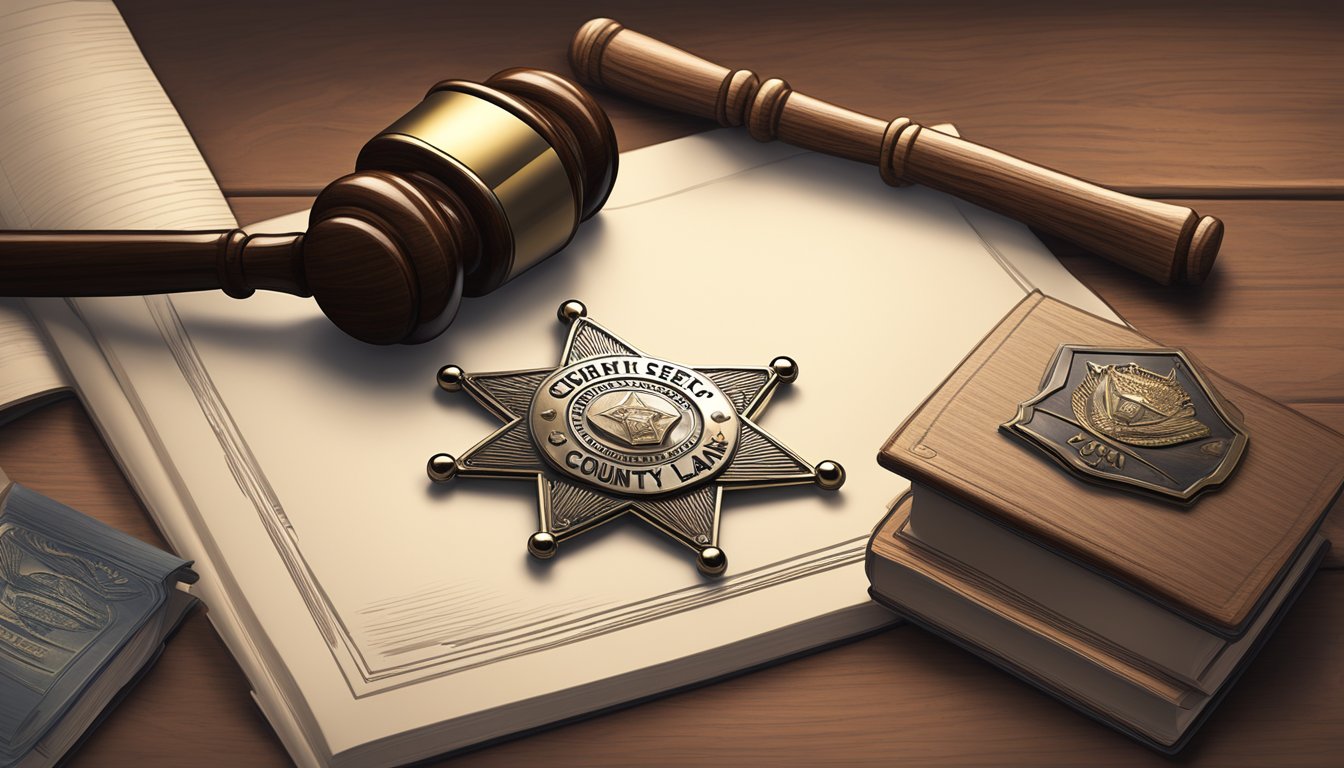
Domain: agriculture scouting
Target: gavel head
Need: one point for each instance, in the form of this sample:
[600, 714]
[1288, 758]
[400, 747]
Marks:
[473, 186]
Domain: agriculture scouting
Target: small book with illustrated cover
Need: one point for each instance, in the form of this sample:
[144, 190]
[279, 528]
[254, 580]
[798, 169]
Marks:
[84, 609]
[1104, 518]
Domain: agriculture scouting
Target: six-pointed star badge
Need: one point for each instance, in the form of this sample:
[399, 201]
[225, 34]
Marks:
[612, 431]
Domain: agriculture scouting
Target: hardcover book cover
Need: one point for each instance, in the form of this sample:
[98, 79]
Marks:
[1104, 518]
[73, 594]
[1212, 560]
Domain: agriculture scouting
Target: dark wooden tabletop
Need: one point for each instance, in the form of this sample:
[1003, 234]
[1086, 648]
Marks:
[1234, 108]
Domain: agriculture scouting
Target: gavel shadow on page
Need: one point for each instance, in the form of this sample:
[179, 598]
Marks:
[480, 181]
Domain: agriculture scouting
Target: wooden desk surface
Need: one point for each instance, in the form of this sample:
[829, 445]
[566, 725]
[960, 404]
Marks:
[1235, 109]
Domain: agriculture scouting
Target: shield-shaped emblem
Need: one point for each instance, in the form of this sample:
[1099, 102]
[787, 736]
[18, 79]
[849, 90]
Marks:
[1140, 418]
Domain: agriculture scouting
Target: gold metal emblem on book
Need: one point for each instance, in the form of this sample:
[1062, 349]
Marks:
[1136, 406]
[1142, 418]
[612, 431]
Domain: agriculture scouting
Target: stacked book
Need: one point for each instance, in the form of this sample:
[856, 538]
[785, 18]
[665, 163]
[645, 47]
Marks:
[84, 610]
[1124, 539]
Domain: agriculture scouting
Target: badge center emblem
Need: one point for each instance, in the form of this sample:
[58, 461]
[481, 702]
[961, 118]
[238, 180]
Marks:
[634, 425]
[638, 424]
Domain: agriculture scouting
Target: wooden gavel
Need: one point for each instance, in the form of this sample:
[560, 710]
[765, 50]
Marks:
[1168, 243]
[477, 183]
[481, 181]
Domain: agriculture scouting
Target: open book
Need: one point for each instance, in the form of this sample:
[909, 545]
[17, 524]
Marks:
[381, 620]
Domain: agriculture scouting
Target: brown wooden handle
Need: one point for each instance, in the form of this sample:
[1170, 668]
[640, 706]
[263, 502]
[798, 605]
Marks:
[121, 263]
[1167, 243]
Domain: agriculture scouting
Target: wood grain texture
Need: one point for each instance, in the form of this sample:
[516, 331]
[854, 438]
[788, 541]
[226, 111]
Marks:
[1148, 95]
[121, 263]
[1165, 243]
[1213, 561]
[250, 210]
[1243, 101]
[1272, 314]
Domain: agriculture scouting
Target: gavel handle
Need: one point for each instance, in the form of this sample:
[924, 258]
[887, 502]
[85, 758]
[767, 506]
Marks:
[1168, 243]
[121, 263]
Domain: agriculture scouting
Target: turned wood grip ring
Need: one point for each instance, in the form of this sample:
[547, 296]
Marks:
[896, 142]
[229, 265]
[1167, 243]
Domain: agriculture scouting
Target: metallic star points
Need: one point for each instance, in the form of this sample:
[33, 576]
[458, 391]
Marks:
[612, 431]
